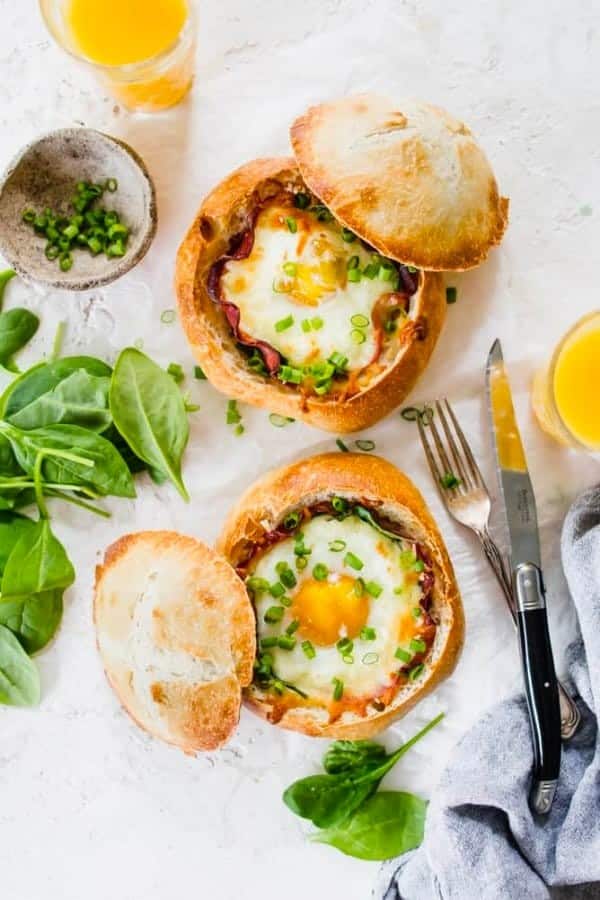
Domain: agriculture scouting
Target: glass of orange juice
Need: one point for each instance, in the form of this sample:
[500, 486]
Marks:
[142, 50]
[566, 394]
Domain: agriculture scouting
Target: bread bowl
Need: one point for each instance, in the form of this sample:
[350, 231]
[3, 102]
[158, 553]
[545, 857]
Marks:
[351, 584]
[175, 631]
[314, 345]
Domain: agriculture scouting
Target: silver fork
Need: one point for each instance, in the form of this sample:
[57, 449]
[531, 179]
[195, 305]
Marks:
[466, 497]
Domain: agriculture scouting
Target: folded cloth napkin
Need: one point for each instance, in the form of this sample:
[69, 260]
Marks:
[481, 839]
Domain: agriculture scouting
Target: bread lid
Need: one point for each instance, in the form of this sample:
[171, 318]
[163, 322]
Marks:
[175, 630]
[406, 177]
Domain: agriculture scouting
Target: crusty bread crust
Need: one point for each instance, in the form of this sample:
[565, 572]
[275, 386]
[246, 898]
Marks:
[176, 634]
[224, 213]
[406, 177]
[378, 483]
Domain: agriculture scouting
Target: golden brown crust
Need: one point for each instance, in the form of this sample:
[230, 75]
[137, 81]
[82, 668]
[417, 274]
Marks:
[224, 213]
[408, 178]
[377, 482]
[176, 633]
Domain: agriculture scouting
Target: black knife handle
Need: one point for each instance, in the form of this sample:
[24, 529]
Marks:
[541, 687]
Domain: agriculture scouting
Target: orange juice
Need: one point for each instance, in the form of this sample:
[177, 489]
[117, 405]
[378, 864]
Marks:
[143, 50]
[118, 32]
[566, 396]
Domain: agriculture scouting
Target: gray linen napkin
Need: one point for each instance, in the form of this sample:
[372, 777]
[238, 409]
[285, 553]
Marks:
[481, 840]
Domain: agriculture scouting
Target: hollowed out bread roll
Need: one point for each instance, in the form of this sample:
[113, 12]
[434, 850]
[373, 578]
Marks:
[404, 175]
[175, 631]
[406, 627]
[371, 387]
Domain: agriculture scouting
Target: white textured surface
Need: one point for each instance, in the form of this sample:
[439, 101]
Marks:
[89, 807]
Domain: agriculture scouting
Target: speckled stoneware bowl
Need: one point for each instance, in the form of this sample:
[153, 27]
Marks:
[44, 175]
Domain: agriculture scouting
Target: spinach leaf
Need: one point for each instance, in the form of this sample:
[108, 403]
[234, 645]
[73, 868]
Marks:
[17, 327]
[12, 528]
[386, 825]
[19, 677]
[8, 463]
[5, 277]
[79, 399]
[149, 411]
[38, 562]
[33, 619]
[45, 377]
[344, 756]
[109, 473]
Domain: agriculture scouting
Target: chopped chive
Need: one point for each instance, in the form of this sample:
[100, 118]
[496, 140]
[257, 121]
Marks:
[267, 642]
[320, 572]
[285, 601]
[365, 445]
[291, 521]
[449, 480]
[415, 672]
[337, 546]
[239, 429]
[167, 316]
[111, 185]
[288, 578]
[65, 262]
[407, 559]
[284, 324]
[305, 325]
[51, 251]
[350, 559]
[286, 642]
[317, 323]
[410, 413]
[371, 270]
[301, 200]
[293, 626]
[292, 224]
[277, 590]
[199, 374]
[338, 503]
[373, 588]
[321, 212]
[301, 563]
[348, 659]
[308, 649]
[176, 372]
[359, 587]
[352, 263]
[359, 321]
[345, 646]
[274, 614]
[338, 689]
[354, 275]
[291, 375]
[280, 421]
[342, 446]
[403, 655]
[368, 634]
[419, 566]
[416, 612]
[370, 658]
[417, 645]
[357, 337]
[338, 360]
[290, 268]
[232, 416]
[451, 295]
[257, 585]
[28, 216]
[348, 236]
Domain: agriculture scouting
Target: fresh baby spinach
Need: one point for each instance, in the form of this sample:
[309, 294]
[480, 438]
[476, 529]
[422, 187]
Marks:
[34, 620]
[149, 412]
[19, 677]
[79, 399]
[345, 756]
[5, 277]
[17, 327]
[38, 562]
[45, 377]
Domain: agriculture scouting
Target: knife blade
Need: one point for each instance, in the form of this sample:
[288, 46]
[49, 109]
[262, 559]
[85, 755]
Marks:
[541, 687]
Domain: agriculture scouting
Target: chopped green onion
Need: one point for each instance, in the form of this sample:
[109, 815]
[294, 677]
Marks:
[239, 429]
[277, 590]
[199, 374]
[292, 224]
[416, 612]
[348, 659]
[233, 415]
[357, 337]
[338, 503]
[308, 649]
[373, 588]
[257, 585]
[371, 270]
[321, 212]
[365, 445]
[301, 563]
[417, 645]
[267, 642]
[419, 566]
[350, 559]
[370, 658]
[305, 325]
[348, 236]
[301, 200]
[449, 480]
[451, 295]
[291, 521]
[359, 587]
[415, 672]
[337, 546]
[320, 572]
[288, 578]
[342, 446]
[317, 323]
[274, 614]
[352, 263]
[400, 589]
[291, 375]
[176, 372]
[51, 251]
[338, 689]
[256, 363]
[359, 321]
[111, 185]
[403, 655]
[28, 216]
[167, 317]
[285, 601]
[65, 262]
[345, 646]
[290, 268]
[284, 324]
[354, 275]
[410, 413]
[286, 642]
[368, 634]
[293, 626]
[338, 360]
[407, 559]
[280, 421]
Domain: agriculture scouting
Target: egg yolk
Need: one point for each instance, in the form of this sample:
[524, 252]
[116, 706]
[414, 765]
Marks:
[328, 610]
[407, 627]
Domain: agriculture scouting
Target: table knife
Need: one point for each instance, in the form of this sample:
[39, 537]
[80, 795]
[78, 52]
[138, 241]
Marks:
[541, 688]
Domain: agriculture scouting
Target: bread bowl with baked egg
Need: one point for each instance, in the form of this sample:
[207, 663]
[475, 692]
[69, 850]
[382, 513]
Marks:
[358, 613]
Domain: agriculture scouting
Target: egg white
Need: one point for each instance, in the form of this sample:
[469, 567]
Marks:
[381, 558]
[249, 284]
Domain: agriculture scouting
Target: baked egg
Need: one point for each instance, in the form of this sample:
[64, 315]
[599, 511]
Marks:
[309, 288]
[339, 614]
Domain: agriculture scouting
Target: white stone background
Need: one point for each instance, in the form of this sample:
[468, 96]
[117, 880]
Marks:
[89, 806]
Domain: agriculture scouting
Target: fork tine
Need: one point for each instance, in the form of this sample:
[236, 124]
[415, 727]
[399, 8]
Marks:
[441, 450]
[433, 466]
[466, 481]
[474, 468]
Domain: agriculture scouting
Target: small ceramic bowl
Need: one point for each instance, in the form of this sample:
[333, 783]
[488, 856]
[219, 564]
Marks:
[45, 174]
